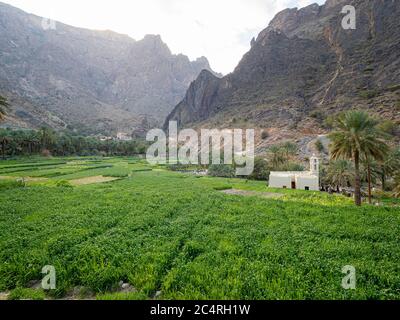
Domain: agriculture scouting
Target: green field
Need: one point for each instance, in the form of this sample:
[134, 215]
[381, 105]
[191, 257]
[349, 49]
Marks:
[180, 236]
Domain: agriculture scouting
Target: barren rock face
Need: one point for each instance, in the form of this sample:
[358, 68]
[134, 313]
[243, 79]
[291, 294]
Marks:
[304, 67]
[96, 80]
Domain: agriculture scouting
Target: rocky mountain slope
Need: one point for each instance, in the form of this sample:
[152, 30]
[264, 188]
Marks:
[302, 68]
[94, 81]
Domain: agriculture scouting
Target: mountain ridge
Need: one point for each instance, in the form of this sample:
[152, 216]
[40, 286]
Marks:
[87, 80]
[303, 67]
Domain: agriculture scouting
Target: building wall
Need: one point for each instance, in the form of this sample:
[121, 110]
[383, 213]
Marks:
[280, 181]
[312, 182]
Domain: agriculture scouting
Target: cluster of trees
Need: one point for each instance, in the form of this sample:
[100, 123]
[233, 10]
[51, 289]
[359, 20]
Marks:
[281, 157]
[360, 155]
[48, 142]
[359, 138]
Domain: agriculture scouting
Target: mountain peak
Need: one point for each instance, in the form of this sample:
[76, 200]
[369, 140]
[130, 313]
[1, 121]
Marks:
[301, 68]
[96, 81]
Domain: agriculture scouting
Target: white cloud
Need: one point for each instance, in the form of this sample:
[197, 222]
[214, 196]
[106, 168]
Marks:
[221, 30]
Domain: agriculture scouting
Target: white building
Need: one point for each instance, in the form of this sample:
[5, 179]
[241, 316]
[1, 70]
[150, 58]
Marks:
[301, 180]
[122, 136]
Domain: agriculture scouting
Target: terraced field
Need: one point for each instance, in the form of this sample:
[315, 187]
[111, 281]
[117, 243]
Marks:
[132, 231]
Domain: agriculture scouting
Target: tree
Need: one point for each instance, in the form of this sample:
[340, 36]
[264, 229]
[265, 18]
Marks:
[221, 170]
[319, 146]
[290, 149]
[389, 166]
[357, 135]
[47, 138]
[340, 174]
[261, 170]
[4, 140]
[276, 157]
[369, 173]
[3, 107]
[397, 185]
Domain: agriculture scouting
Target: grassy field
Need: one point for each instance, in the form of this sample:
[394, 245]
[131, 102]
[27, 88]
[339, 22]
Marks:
[179, 236]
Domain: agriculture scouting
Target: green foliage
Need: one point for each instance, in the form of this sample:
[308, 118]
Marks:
[118, 296]
[396, 189]
[26, 294]
[340, 174]
[264, 135]
[389, 127]
[280, 155]
[394, 88]
[357, 136]
[63, 184]
[368, 94]
[221, 170]
[319, 146]
[329, 122]
[47, 142]
[318, 115]
[261, 170]
[171, 232]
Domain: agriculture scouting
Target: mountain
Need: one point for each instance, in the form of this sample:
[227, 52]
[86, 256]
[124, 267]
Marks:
[93, 81]
[301, 69]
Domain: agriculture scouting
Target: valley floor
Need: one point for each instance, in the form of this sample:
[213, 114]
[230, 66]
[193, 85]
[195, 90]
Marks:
[119, 229]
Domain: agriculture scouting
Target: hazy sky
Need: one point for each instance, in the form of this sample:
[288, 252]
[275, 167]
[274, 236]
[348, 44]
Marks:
[221, 30]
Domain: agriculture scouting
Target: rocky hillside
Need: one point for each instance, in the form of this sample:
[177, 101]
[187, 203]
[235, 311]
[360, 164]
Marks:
[94, 81]
[302, 68]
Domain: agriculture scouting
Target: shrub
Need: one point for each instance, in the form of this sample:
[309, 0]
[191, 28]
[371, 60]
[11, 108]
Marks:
[319, 146]
[368, 94]
[63, 184]
[221, 170]
[394, 88]
[389, 127]
[319, 115]
[261, 170]
[264, 135]
[222, 188]
[329, 122]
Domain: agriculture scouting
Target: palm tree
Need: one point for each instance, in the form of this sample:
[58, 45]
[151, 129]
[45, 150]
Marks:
[371, 172]
[47, 137]
[389, 166]
[397, 185]
[4, 140]
[357, 135]
[3, 107]
[276, 157]
[340, 174]
[289, 149]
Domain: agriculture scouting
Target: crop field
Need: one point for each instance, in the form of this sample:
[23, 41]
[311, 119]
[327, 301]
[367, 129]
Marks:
[172, 235]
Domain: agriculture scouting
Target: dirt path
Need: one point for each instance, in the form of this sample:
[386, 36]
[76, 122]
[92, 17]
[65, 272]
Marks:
[245, 193]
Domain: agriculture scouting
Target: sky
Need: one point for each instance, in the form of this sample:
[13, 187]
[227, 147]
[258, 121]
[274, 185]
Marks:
[220, 30]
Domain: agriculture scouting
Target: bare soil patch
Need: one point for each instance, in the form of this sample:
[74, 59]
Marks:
[92, 180]
[245, 193]
[4, 295]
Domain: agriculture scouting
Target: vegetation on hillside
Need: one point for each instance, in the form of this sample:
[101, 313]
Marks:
[49, 142]
[3, 107]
